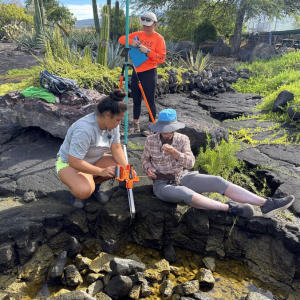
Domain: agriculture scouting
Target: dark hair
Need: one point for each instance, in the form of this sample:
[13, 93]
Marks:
[114, 103]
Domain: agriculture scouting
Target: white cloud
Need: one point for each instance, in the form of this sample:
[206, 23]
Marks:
[85, 11]
[81, 12]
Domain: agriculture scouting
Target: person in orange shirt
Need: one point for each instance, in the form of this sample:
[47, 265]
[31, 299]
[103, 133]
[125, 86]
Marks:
[153, 45]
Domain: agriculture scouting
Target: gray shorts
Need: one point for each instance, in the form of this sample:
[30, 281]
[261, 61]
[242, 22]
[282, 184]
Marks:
[189, 184]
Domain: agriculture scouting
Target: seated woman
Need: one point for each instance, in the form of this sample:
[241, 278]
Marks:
[82, 162]
[166, 155]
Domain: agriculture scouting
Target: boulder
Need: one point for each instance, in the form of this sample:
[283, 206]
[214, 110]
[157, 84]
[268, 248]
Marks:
[281, 101]
[207, 47]
[294, 112]
[250, 52]
[184, 47]
[221, 48]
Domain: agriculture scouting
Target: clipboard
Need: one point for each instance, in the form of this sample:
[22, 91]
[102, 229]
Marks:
[136, 56]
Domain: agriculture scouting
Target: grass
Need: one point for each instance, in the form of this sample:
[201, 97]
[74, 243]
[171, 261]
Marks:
[271, 77]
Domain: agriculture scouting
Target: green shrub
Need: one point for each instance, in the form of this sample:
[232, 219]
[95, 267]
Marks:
[201, 61]
[271, 77]
[205, 31]
[222, 161]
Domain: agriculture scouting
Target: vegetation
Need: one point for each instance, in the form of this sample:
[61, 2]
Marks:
[13, 20]
[271, 77]
[104, 37]
[201, 61]
[205, 31]
[52, 13]
[224, 14]
[96, 17]
[222, 161]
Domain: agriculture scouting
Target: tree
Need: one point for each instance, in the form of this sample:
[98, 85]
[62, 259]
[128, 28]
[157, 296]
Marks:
[13, 14]
[55, 13]
[247, 9]
[61, 16]
[241, 9]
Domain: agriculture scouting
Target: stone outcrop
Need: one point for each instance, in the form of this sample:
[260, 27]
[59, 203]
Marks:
[184, 47]
[250, 52]
[57, 118]
[27, 165]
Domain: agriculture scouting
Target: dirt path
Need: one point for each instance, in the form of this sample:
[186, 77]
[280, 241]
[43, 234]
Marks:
[10, 58]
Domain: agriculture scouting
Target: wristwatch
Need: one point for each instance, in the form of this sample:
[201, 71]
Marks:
[148, 51]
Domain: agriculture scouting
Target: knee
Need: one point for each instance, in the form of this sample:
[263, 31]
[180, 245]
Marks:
[221, 184]
[83, 192]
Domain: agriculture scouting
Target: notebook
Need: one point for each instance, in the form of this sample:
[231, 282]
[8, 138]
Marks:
[136, 56]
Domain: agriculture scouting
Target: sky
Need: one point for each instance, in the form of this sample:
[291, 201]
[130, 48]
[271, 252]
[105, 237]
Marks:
[82, 9]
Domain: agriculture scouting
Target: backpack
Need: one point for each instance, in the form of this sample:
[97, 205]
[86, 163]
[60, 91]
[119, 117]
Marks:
[59, 85]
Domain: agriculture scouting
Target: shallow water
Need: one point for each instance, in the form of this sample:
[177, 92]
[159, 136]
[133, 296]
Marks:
[233, 278]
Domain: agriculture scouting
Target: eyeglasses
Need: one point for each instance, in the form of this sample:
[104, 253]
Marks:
[146, 19]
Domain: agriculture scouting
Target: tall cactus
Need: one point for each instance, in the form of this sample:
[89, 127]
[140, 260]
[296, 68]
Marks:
[96, 18]
[88, 54]
[104, 36]
[38, 16]
[116, 21]
[109, 6]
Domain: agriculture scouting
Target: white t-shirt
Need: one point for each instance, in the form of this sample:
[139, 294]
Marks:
[85, 140]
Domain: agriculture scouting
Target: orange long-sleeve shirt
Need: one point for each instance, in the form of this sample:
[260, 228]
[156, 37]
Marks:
[154, 42]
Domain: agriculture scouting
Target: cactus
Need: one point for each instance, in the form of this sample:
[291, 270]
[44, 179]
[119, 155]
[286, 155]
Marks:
[109, 6]
[96, 18]
[104, 36]
[116, 22]
[38, 16]
[88, 54]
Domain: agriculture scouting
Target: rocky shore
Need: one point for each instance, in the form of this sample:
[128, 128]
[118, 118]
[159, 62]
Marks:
[35, 209]
[39, 227]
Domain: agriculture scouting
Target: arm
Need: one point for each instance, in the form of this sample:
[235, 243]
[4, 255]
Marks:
[159, 53]
[146, 156]
[118, 154]
[147, 166]
[185, 157]
[131, 41]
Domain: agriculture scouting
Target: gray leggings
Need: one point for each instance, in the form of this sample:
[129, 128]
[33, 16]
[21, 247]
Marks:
[189, 184]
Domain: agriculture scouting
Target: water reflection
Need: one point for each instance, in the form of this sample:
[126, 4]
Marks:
[233, 278]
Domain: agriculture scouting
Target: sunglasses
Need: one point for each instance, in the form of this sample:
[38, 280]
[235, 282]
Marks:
[146, 19]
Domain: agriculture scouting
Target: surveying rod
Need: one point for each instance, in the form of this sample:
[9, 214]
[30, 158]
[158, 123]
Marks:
[129, 191]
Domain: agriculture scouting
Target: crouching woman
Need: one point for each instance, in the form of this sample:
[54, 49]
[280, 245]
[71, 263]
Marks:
[83, 162]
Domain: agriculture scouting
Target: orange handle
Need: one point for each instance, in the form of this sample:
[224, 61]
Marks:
[127, 174]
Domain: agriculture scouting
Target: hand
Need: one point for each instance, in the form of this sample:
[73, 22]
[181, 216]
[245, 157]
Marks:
[150, 173]
[107, 172]
[135, 43]
[143, 49]
[169, 150]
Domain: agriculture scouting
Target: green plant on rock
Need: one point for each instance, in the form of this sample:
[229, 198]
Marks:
[104, 37]
[201, 61]
[136, 146]
[222, 161]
